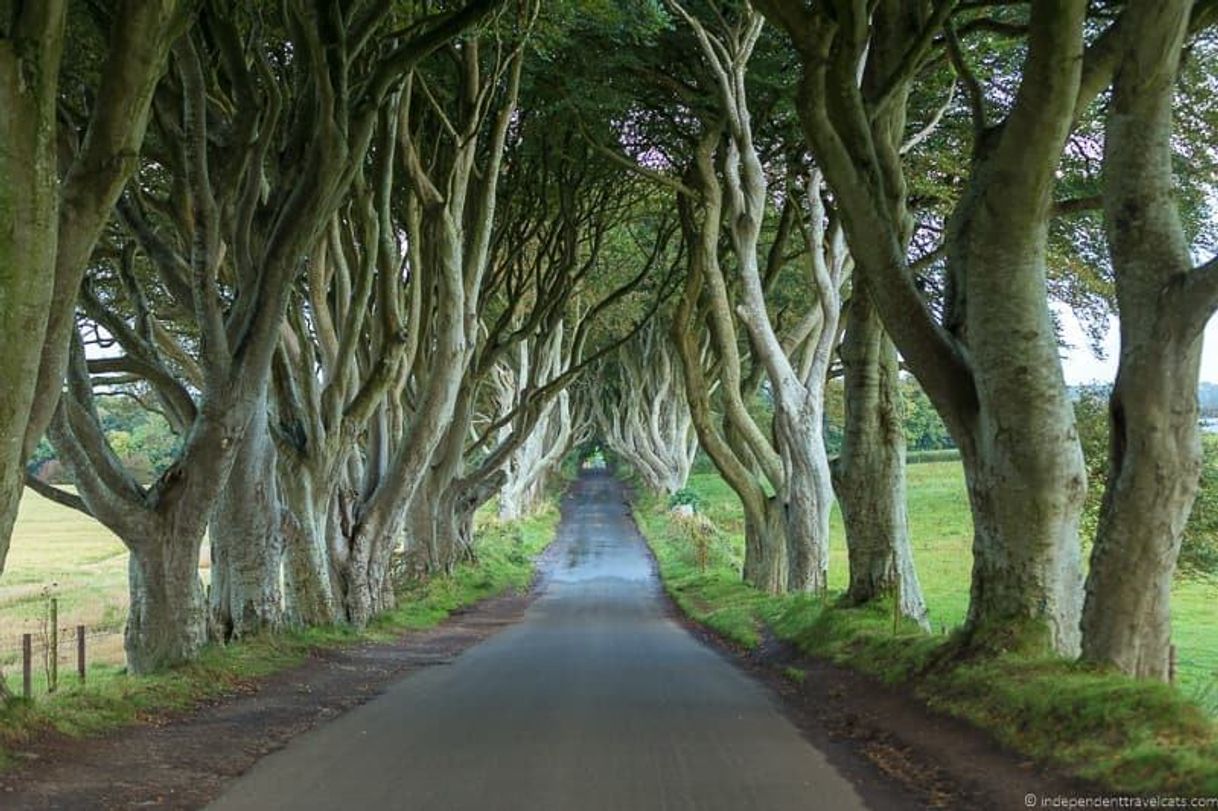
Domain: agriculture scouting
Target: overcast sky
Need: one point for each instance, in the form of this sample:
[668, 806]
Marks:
[1081, 366]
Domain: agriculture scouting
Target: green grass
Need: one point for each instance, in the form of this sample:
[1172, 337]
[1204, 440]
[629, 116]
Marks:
[111, 698]
[1132, 736]
[62, 552]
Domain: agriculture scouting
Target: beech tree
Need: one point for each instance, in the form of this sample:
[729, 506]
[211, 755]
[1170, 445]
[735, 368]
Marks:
[989, 360]
[60, 180]
[550, 293]
[456, 185]
[556, 431]
[641, 412]
[1164, 303]
[229, 258]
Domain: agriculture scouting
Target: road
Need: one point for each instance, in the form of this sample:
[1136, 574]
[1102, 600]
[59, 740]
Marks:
[596, 700]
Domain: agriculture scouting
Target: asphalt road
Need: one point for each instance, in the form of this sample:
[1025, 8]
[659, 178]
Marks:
[597, 700]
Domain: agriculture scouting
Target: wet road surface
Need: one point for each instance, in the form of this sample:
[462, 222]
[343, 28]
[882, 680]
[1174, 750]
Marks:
[597, 700]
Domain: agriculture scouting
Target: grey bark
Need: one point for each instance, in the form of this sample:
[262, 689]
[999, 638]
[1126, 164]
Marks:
[308, 587]
[136, 57]
[246, 595]
[1155, 449]
[869, 473]
[641, 412]
[166, 620]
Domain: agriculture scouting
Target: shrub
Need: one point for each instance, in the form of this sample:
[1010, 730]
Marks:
[685, 497]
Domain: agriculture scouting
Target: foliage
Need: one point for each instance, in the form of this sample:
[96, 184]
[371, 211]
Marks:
[924, 428]
[685, 497]
[1199, 546]
[141, 438]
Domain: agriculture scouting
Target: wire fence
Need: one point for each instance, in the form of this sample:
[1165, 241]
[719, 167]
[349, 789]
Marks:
[48, 651]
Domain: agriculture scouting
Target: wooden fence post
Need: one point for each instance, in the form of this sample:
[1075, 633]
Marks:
[27, 665]
[80, 652]
[53, 654]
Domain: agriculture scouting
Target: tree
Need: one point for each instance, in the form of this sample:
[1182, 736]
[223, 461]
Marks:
[641, 411]
[1154, 441]
[989, 359]
[287, 129]
[49, 224]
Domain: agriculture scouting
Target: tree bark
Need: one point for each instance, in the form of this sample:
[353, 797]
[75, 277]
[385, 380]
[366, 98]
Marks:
[766, 564]
[166, 623]
[806, 495]
[869, 474]
[29, 73]
[307, 581]
[136, 57]
[246, 541]
[1154, 441]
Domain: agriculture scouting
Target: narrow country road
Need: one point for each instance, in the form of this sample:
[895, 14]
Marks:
[597, 700]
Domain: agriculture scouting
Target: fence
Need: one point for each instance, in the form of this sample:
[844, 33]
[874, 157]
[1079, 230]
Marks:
[45, 653]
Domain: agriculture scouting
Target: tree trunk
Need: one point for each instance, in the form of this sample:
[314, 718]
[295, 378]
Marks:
[29, 73]
[1154, 442]
[166, 625]
[366, 586]
[1155, 462]
[1026, 585]
[246, 544]
[433, 522]
[991, 363]
[765, 558]
[806, 497]
[308, 594]
[869, 474]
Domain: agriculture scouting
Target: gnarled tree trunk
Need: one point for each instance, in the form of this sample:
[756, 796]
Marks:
[766, 564]
[307, 581]
[1154, 442]
[869, 474]
[806, 495]
[166, 623]
[990, 364]
[246, 595]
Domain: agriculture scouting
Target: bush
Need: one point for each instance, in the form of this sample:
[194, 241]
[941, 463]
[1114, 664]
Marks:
[685, 497]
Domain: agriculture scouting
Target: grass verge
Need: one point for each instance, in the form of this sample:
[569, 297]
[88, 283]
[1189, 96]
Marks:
[110, 698]
[1131, 736]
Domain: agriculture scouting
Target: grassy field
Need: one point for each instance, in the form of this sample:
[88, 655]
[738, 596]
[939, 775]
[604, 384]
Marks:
[59, 551]
[1133, 736]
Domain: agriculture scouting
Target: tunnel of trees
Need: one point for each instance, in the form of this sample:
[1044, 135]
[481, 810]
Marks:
[316, 280]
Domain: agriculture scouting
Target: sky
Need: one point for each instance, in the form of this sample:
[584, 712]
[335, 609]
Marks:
[1081, 366]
